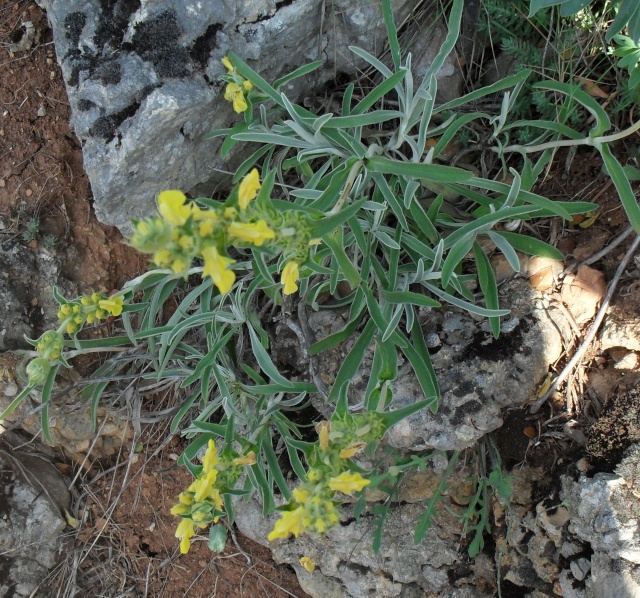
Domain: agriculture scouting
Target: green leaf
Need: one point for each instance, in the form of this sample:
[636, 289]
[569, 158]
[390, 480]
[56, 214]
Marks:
[248, 73]
[362, 120]
[391, 199]
[430, 172]
[392, 33]
[623, 186]
[531, 245]
[325, 226]
[378, 92]
[488, 285]
[603, 123]
[351, 364]
[299, 72]
[217, 538]
[335, 242]
[537, 5]
[455, 256]
[409, 297]
[507, 82]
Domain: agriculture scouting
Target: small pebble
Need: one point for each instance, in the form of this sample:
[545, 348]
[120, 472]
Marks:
[42, 111]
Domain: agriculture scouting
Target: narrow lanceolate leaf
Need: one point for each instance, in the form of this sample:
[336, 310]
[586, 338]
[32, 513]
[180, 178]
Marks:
[531, 245]
[430, 172]
[488, 285]
[621, 182]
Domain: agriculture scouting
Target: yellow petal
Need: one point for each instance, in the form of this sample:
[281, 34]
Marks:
[113, 305]
[308, 564]
[353, 449]
[231, 90]
[290, 523]
[348, 482]
[210, 459]
[216, 266]
[289, 277]
[255, 233]
[324, 428]
[239, 103]
[171, 205]
[249, 188]
[227, 64]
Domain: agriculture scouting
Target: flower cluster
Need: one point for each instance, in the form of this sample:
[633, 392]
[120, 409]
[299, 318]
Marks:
[88, 309]
[237, 86]
[72, 316]
[202, 503]
[185, 231]
[314, 504]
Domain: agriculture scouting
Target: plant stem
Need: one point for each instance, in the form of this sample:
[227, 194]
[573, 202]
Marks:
[590, 141]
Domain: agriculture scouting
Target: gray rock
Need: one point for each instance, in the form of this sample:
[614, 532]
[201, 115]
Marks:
[605, 513]
[346, 565]
[27, 305]
[31, 526]
[142, 80]
[478, 375]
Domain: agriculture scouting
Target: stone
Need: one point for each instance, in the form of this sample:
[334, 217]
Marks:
[142, 81]
[31, 520]
[346, 565]
[479, 376]
[27, 304]
[620, 331]
[583, 292]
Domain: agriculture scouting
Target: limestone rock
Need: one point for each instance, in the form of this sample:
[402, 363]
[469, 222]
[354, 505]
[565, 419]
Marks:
[27, 278]
[346, 565]
[478, 375]
[31, 526]
[142, 80]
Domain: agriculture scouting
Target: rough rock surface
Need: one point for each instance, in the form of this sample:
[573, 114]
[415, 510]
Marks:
[69, 418]
[604, 512]
[478, 375]
[31, 524]
[27, 303]
[142, 80]
[347, 567]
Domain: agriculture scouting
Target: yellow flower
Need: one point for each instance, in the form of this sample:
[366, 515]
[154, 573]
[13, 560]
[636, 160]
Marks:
[230, 213]
[162, 257]
[324, 428]
[186, 498]
[208, 220]
[171, 205]
[180, 509]
[353, 449]
[290, 523]
[348, 482]
[233, 93]
[210, 459]
[185, 531]
[248, 459]
[249, 188]
[215, 265]
[308, 564]
[113, 305]
[247, 85]
[256, 233]
[203, 487]
[300, 495]
[289, 278]
[227, 64]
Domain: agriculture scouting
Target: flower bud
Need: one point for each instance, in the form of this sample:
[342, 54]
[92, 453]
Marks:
[37, 371]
